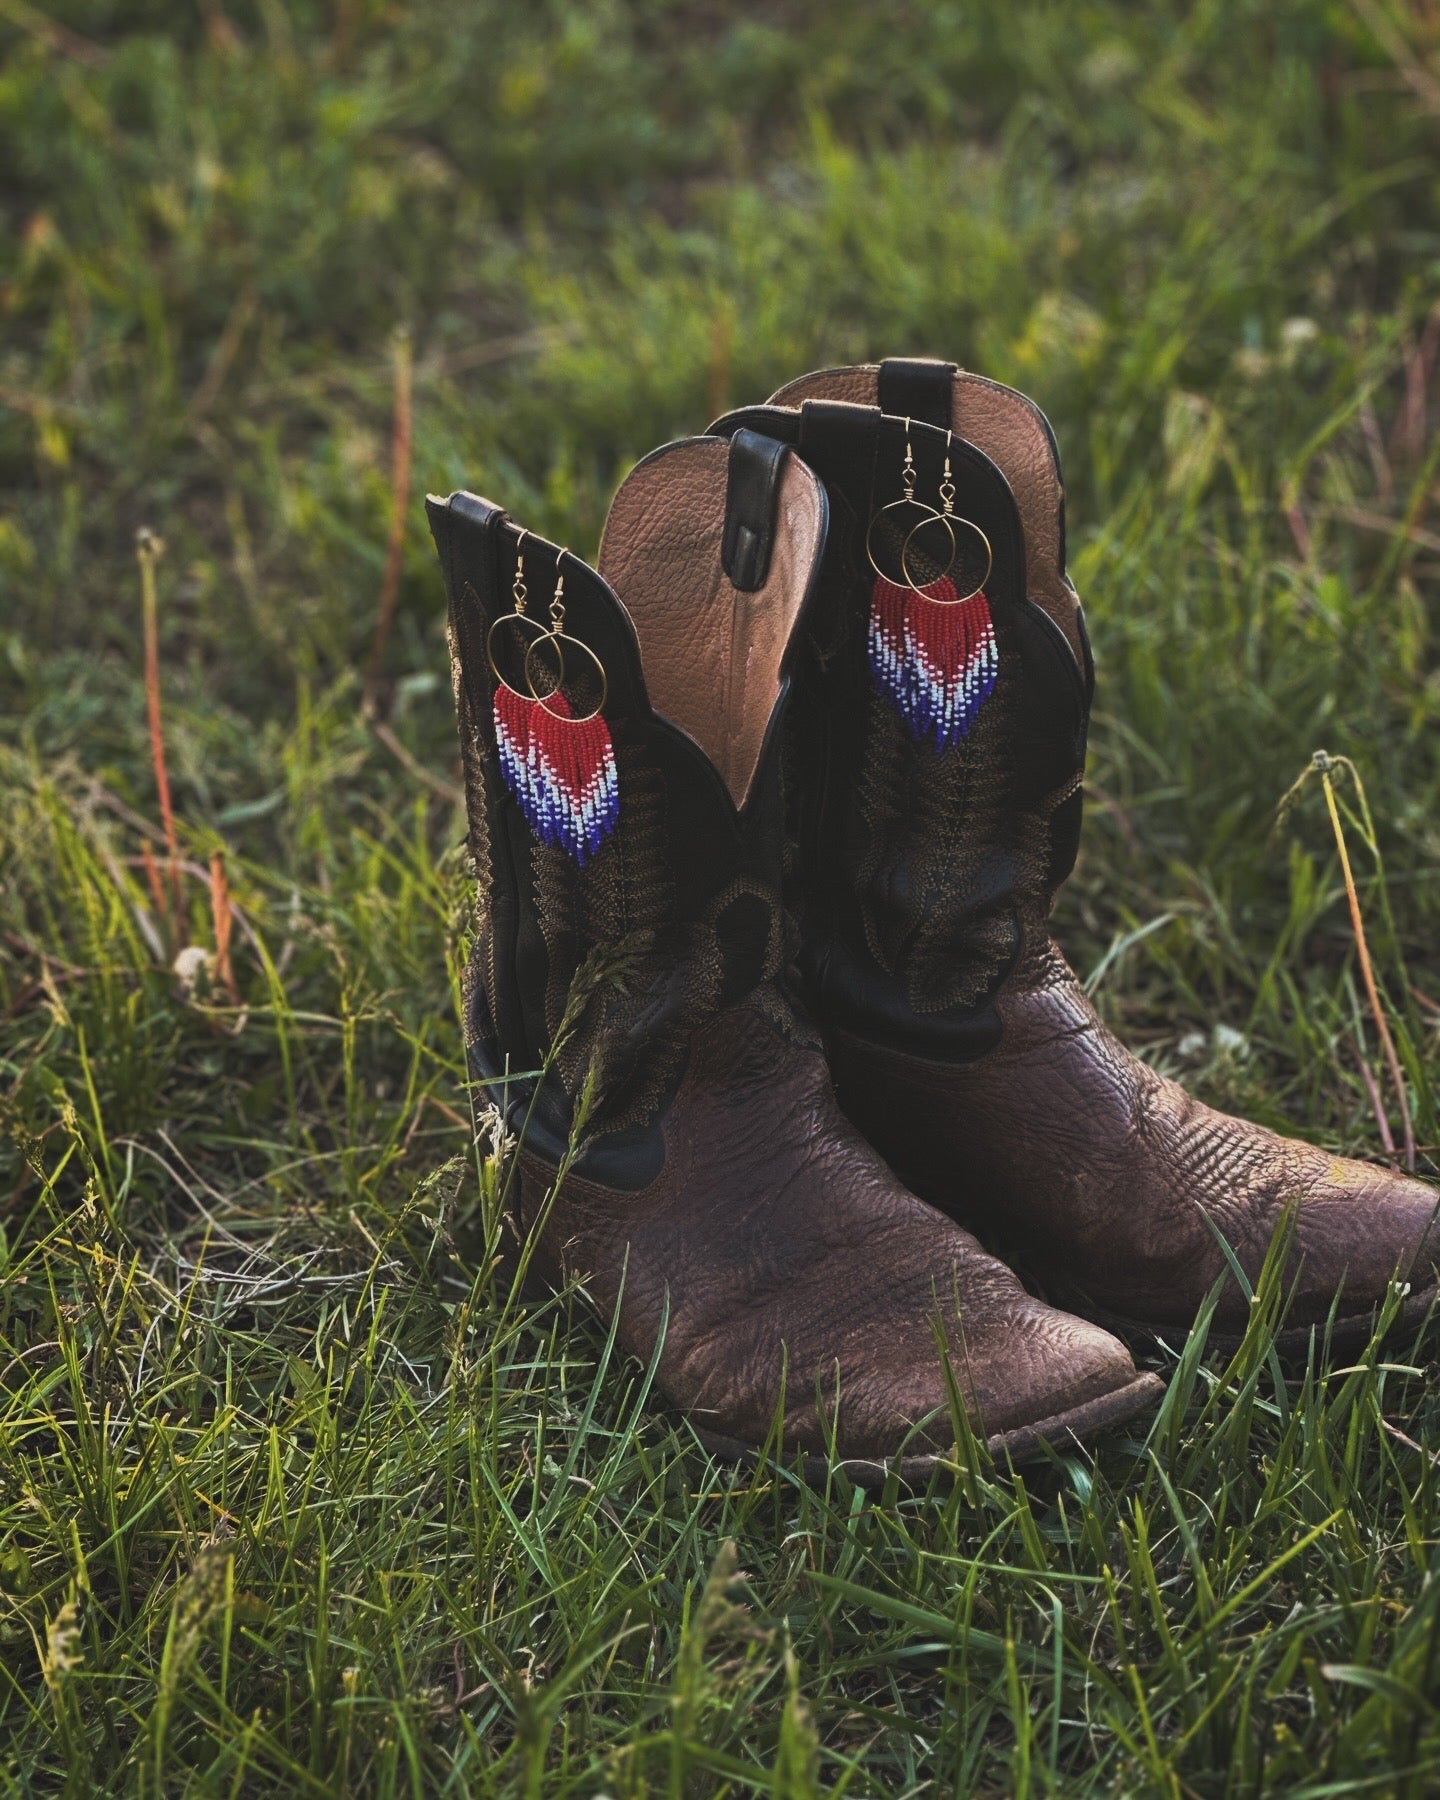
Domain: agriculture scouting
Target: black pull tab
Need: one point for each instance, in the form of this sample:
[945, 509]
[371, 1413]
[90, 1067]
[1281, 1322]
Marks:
[751, 491]
[460, 523]
[468, 534]
[468, 511]
[917, 387]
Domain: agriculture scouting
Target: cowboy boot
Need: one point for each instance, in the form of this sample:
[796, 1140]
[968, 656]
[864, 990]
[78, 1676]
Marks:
[680, 1150]
[938, 755]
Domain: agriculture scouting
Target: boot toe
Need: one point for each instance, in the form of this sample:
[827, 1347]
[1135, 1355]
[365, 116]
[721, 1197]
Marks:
[866, 1379]
[1055, 1364]
[1359, 1229]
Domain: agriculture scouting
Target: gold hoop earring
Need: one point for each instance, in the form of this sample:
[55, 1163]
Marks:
[559, 766]
[907, 481]
[513, 621]
[949, 518]
[556, 638]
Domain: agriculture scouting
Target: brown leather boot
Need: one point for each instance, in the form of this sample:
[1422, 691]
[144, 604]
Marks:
[681, 1151]
[939, 810]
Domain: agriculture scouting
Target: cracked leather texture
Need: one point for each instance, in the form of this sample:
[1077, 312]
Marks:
[1109, 1179]
[792, 1261]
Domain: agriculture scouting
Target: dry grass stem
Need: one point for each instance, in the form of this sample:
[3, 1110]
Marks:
[1324, 765]
[149, 549]
[404, 356]
[223, 917]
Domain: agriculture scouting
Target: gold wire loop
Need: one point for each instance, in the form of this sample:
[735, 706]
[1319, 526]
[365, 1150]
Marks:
[949, 520]
[513, 619]
[947, 483]
[516, 618]
[907, 472]
[517, 586]
[907, 481]
[559, 639]
[931, 518]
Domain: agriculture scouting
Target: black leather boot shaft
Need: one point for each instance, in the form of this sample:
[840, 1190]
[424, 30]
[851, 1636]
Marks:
[922, 867]
[604, 968]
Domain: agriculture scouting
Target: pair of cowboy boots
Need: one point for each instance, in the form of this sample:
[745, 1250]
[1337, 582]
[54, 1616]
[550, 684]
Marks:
[830, 674]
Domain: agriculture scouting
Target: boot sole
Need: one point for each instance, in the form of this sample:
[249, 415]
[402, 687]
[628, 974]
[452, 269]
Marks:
[1026, 1443]
[1350, 1333]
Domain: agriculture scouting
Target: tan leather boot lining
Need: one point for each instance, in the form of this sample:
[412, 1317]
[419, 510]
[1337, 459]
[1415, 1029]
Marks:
[1011, 431]
[711, 653]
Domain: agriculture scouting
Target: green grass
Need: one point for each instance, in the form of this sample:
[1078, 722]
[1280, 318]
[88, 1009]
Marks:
[291, 1500]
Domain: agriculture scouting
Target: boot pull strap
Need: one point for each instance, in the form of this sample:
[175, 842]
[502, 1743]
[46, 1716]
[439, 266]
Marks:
[752, 487]
[484, 514]
[917, 387]
[467, 531]
[465, 519]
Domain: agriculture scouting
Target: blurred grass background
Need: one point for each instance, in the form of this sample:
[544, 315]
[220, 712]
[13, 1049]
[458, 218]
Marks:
[289, 1499]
